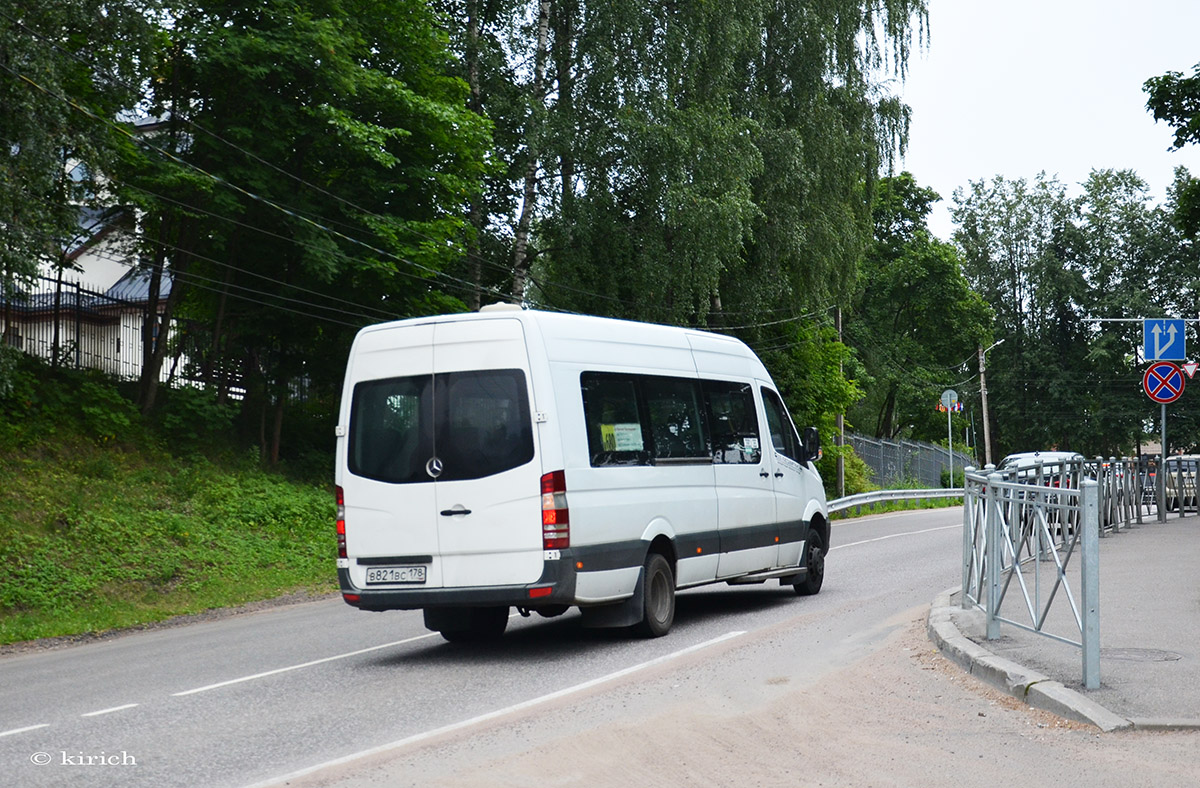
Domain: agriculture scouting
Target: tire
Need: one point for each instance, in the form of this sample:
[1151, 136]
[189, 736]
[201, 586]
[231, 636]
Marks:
[658, 598]
[483, 624]
[814, 562]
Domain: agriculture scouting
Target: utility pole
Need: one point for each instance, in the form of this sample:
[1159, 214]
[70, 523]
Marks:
[987, 434]
[987, 437]
[841, 420]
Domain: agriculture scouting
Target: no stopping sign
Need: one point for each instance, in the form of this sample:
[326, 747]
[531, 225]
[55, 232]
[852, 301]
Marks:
[1163, 382]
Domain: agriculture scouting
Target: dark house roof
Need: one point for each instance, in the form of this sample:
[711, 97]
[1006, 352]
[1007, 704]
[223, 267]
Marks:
[131, 291]
[135, 286]
[92, 224]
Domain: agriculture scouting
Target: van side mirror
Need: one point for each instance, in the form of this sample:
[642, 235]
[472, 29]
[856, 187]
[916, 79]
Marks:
[811, 444]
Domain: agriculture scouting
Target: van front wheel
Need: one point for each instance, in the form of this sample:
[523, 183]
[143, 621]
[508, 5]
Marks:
[814, 562]
[658, 597]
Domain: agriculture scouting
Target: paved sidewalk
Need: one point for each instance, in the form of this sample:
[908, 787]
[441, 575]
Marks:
[1149, 637]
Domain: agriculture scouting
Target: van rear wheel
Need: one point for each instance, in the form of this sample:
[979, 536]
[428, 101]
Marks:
[658, 597]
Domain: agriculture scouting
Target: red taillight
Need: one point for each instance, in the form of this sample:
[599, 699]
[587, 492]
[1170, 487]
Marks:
[556, 521]
[341, 522]
[352, 599]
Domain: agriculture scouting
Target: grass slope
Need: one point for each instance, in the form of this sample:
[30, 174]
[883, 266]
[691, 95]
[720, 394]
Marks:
[102, 527]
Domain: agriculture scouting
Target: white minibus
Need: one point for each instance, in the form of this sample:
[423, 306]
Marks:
[513, 458]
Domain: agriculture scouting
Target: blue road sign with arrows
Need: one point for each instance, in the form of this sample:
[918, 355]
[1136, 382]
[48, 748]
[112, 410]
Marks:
[1163, 340]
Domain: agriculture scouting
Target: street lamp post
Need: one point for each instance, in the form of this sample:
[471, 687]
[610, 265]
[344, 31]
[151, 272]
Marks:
[987, 435]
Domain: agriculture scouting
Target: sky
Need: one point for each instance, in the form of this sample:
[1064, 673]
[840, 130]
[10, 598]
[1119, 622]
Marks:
[1018, 87]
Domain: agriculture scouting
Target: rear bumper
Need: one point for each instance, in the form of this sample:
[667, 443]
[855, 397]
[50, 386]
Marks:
[556, 586]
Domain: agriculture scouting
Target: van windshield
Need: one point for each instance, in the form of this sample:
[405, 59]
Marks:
[475, 423]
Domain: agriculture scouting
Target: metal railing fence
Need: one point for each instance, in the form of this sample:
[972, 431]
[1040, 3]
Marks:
[1031, 538]
[1180, 485]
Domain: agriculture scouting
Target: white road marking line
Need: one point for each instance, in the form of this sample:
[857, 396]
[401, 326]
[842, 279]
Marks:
[897, 536]
[498, 713]
[298, 667]
[109, 711]
[22, 730]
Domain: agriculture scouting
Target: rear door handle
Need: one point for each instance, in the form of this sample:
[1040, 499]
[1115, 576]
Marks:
[453, 512]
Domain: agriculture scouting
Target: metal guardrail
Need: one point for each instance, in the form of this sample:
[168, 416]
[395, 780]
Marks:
[887, 496]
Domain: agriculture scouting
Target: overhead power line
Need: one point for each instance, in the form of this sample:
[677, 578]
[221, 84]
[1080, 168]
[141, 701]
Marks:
[241, 190]
[320, 222]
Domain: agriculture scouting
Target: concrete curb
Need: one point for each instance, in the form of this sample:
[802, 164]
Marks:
[1027, 686]
[1164, 724]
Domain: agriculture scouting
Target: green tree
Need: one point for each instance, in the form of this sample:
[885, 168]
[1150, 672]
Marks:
[712, 158]
[1056, 270]
[57, 129]
[915, 318]
[488, 40]
[342, 156]
[1013, 236]
[1175, 98]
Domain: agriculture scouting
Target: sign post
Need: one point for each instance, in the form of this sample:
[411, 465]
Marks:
[1160, 493]
[949, 400]
[1163, 382]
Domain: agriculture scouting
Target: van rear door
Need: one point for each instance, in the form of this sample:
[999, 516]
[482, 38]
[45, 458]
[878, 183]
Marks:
[441, 456]
[489, 515]
[390, 500]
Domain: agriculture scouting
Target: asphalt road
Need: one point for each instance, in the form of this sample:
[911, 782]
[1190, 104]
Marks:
[253, 698]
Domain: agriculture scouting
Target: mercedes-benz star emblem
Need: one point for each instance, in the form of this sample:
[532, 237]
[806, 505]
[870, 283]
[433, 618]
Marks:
[433, 467]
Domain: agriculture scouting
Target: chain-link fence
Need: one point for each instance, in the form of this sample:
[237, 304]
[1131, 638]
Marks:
[905, 463]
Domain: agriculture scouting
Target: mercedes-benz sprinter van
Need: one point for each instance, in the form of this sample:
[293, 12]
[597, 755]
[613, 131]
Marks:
[515, 458]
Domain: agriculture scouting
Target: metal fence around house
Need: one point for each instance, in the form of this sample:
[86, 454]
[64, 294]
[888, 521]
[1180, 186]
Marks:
[82, 328]
[905, 463]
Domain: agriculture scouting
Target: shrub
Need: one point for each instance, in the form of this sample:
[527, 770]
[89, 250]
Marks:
[858, 473]
[191, 417]
[102, 412]
[959, 478]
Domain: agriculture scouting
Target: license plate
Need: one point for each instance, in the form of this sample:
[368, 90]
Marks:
[377, 575]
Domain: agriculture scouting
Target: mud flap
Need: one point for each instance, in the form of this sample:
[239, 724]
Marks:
[621, 614]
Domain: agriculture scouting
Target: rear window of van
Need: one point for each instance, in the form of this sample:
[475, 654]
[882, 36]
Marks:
[446, 427]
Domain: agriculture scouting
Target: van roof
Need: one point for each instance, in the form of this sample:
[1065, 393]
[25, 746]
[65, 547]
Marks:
[560, 319]
[711, 350]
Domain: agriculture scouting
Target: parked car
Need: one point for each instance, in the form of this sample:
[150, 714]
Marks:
[1181, 467]
[1055, 467]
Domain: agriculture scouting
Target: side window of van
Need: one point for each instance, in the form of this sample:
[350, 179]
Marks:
[676, 420]
[642, 419]
[614, 424]
[733, 422]
[783, 434]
